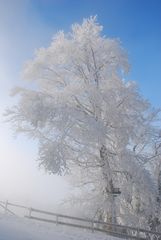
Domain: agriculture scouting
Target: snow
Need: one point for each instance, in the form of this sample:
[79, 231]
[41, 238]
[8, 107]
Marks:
[16, 228]
[80, 104]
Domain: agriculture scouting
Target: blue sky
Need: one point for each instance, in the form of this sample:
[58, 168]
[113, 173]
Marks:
[136, 22]
[29, 24]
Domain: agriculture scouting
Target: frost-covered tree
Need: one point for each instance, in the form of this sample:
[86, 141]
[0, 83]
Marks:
[86, 115]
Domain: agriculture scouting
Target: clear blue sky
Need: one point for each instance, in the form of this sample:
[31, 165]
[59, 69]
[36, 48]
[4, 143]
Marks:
[136, 22]
[29, 24]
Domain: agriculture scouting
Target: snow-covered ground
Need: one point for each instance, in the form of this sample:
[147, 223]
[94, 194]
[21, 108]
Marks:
[15, 228]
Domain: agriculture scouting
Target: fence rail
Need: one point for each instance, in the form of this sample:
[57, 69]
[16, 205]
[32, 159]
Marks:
[116, 230]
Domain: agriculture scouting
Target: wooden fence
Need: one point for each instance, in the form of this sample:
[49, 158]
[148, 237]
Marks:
[116, 230]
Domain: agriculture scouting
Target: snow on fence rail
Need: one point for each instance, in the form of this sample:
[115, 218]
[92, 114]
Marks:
[117, 230]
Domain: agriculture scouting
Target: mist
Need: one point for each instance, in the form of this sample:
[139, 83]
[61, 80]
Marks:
[21, 180]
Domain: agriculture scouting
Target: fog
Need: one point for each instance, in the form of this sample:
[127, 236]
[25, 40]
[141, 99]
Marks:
[21, 181]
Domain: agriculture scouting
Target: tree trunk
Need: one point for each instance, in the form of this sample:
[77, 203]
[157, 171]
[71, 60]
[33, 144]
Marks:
[108, 183]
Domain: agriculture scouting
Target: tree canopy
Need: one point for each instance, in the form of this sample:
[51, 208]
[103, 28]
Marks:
[89, 119]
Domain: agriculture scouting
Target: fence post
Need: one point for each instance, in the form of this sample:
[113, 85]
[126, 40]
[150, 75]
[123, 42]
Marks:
[92, 223]
[30, 210]
[5, 209]
[138, 233]
[56, 219]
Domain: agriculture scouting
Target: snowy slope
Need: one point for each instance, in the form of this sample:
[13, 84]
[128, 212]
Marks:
[14, 228]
